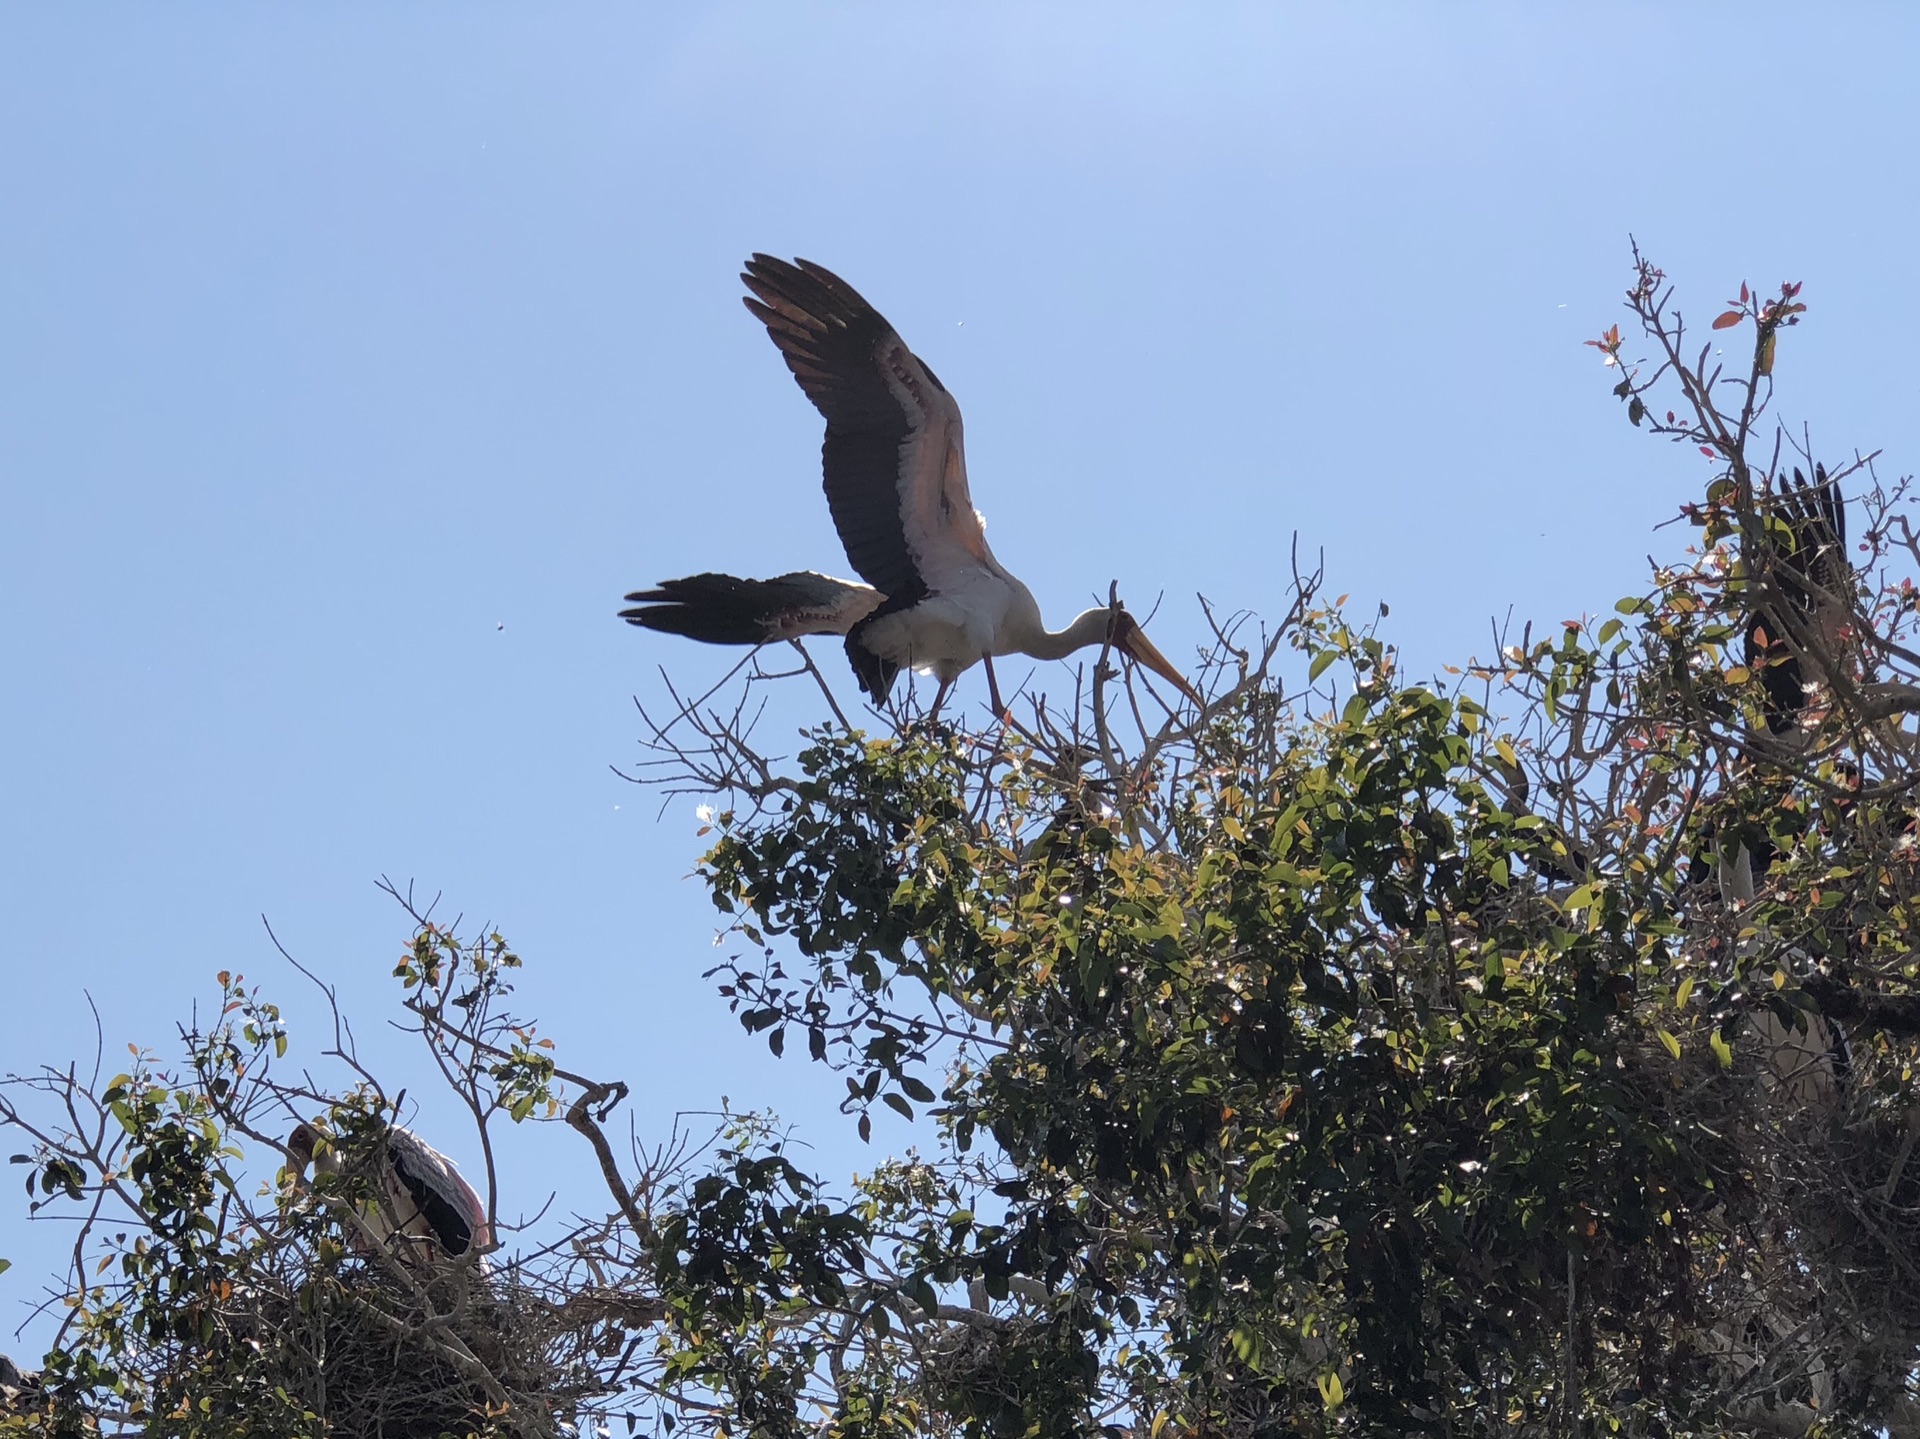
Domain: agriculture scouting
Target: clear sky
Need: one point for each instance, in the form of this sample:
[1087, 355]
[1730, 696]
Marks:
[354, 362]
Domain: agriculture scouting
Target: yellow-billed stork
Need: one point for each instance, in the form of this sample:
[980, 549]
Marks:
[422, 1210]
[895, 473]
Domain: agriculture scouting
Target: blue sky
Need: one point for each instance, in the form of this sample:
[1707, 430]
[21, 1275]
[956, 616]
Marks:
[354, 363]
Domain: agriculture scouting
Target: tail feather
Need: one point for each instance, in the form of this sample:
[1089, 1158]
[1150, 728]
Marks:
[726, 610]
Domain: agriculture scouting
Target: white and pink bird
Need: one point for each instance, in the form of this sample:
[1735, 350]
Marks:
[422, 1211]
[895, 474]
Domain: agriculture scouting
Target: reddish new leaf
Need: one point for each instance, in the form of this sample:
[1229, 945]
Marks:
[1728, 320]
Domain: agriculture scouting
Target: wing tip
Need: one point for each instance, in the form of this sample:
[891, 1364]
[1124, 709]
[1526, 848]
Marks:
[809, 286]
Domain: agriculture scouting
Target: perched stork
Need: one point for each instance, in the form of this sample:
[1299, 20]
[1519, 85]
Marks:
[935, 599]
[1798, 561]
[1803, 560]
[423, 1210]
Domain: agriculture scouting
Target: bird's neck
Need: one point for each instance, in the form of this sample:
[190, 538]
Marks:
[1088, 628]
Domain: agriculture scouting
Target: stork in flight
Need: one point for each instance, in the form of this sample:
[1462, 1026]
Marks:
[423, 1210]
[935, 599]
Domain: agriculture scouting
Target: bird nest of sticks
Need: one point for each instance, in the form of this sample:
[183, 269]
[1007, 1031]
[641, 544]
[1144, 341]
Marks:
[373, 1355]
[1850, 1183]
[1014, 1375]
[1815, 1203]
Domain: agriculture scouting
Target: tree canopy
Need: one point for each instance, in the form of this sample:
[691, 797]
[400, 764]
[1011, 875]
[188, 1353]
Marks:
[1526, 1049]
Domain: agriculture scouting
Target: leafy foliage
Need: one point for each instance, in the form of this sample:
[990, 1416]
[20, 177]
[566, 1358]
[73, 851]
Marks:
[1527, 1050]
[1299, 1073]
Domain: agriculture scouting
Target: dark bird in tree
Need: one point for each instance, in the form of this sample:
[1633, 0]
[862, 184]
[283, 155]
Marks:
[421, 1209]
[1797, 568]
[1799, 563]
[895, 474]
[1804, 586]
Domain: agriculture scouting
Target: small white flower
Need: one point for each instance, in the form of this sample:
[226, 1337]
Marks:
[704, 814]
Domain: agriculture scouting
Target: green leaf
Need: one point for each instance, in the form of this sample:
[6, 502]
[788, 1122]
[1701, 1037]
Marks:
[1320, 664]
[1669, 1042]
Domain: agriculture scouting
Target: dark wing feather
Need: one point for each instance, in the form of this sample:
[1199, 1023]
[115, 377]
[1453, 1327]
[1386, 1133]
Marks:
[874, 675]
[443, 1217]
[1818, 571]
[1811, 572]
[832, 339]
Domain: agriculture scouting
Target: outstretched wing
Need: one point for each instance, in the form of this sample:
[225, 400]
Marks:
[894, 462]
[725, 610]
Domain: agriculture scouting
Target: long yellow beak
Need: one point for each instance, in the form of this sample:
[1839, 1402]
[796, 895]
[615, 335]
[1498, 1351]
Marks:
[1138, 647]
